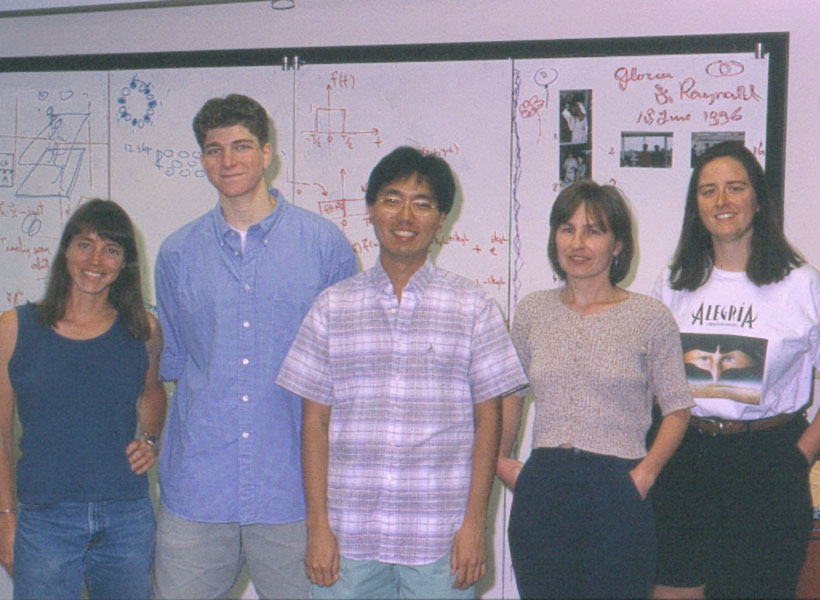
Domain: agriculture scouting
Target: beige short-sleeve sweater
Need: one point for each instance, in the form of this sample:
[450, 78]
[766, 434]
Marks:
[593, 377]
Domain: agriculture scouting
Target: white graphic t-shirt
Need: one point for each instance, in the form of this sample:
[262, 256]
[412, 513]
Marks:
[748, 350]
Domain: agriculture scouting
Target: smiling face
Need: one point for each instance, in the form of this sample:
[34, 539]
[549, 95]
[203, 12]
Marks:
[93, 263]
[235, 162]
[726, 201]
[406, 218]
[585, 248]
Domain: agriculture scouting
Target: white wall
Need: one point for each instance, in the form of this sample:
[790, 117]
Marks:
[352, 22]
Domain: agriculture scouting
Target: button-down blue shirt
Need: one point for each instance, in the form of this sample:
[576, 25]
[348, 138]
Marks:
[231, 451]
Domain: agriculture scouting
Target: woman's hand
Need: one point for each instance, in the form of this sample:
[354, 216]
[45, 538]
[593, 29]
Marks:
[642, 481]
[141, 456]
[507, 470]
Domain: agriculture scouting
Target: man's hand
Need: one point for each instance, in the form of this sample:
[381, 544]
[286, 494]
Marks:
[468, 555]
[322, 556]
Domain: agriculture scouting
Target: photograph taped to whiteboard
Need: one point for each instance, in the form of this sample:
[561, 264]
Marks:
[646, 149]
[575, 155]
[703, 140]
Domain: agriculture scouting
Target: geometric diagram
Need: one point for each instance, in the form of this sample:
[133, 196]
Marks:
[6, 169]
[329, 122]
[340, 209]
[54, 156]
[141, 115]
[343, 208]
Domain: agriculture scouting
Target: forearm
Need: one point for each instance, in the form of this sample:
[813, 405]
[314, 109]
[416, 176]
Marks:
[8, 501]
[152, 403]
[670, 434]
[468, 554]
[484, 456]
[507, 467]
[8, 337]
[322, 550]
[151, 410]
[315, 458]
[809, 442]
[7, 494]
[511, 410]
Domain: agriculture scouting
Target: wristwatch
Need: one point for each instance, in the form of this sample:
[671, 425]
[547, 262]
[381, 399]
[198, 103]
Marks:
[152, 441]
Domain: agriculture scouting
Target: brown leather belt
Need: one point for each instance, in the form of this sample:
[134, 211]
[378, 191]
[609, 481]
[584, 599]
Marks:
[716, 427]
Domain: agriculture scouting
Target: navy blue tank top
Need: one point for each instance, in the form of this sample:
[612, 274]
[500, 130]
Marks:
[77, 404]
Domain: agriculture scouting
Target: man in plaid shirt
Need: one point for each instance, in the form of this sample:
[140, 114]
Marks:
[401, 369]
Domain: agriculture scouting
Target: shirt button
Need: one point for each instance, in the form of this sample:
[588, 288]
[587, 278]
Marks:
[246, 287]
[389, 478]
[245, 361]
[245, 434]
[246, 324]
[244, 397]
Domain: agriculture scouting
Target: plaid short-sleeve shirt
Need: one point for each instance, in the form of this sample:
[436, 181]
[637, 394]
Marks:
[402, 380]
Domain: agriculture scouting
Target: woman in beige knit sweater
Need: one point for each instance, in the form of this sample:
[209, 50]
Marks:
[596, 355]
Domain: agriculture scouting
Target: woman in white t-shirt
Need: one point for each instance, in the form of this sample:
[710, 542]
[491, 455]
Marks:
[733, 505]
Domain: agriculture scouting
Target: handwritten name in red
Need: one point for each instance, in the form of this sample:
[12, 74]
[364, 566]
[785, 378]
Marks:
[626, 75]
[741, 93]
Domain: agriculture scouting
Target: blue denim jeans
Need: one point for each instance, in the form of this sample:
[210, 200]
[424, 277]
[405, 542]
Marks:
[108, 546]
[371, 579]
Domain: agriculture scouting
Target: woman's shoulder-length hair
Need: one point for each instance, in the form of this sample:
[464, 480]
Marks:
[771, 258]
[604, 205]
[109, 221]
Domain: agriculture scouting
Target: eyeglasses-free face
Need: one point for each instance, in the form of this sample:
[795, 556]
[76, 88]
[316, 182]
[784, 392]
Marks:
[234, 161]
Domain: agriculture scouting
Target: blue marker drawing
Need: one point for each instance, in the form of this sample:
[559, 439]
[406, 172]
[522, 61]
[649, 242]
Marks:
[54, 157]
[137, 92]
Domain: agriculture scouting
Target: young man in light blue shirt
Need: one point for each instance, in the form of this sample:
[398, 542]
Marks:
[232, 288]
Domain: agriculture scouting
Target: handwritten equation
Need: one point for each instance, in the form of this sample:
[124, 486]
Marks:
[330, 126]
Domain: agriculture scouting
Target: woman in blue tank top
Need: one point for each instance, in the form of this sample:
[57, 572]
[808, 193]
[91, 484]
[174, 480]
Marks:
[81, 366]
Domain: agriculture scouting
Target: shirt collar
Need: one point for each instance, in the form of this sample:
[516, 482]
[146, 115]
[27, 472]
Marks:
[417, 284]
[265, 225]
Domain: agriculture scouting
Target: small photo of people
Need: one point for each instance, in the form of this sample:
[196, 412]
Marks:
[702, 141]
[646, 150]
[575, 117]
[575, 162]
[575, 139]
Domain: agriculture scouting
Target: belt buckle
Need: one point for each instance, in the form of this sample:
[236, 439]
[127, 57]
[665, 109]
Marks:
[719, 423]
